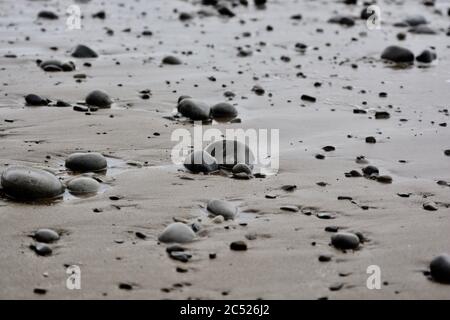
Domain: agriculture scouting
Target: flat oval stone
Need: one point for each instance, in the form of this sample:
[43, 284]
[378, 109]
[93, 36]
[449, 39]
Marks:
[222, 208]
[83, 185]
[45, 14]
[194, 109]
[171, 60]
[25, 183]
[440, 268]
[223, 112]
[397, 54]
[82, 51]
[46, 235]
[345, 240]
[177, 233]
[99, 99]
[35, 100]
[231, 152]
[415, 20]
[42, 249]
[201, 161]
[86, 162]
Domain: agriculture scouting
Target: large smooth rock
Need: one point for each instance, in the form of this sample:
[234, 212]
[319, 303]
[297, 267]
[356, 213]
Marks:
[194, 109]
[99, 99]
[201, 161]
[177, 233]
[83, 185]
[231, 152]
[35, 100]
[345, 241]
[397, 54]
[440, 268]
[86, 162]
[223, 112]
[222, 208]
[25, 183]
[46, 236]
[82, 51]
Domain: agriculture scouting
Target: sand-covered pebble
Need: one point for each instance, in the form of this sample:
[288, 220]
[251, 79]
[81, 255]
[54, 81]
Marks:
[83, 185]
[86, 162]
[26, 183]
[222, 208]
[177, 233]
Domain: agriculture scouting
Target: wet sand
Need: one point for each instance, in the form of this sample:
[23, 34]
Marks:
[282, 258]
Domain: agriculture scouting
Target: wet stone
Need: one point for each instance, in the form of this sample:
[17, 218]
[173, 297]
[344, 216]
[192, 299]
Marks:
[171, 60]
[41, 249]
[83, 185]
[35, 100]
[231, 152]
[26, 183]
[46, 236]
[241, 168]
[194, 109]
[427, 56]
[86, 162]
[440, 268]
[397, 54]
[384, 179]
[49, 15]
[222, 208]
[82, 51]
[201, 161]
[238, 246]
[99, 99]
[345, 241]
[223, 112]
[177, 233]
[370, 170]
[430, 206]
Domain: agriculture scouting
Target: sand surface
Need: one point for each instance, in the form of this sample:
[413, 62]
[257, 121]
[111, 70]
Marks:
[282, 259]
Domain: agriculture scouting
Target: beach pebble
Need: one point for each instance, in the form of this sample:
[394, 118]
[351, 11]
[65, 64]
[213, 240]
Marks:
[427, 56]
[345, 240]
[83, 185]
[415, 20]
[342, 20]
[99, 99]
[238, 246]
[228, 153]
[201, 161]
[194, 109]
[57, 66]
[384, 179]
[82, 51]
[223, 112]
[241, 168]
[430, 206]
[49, 15]
[46, 236]
[440, 268]
[422, 29]
[172, 60]
[42, 249]
[177, 233]
[218, 219]
[397, 54]
[35, 100]
[222, 208]
[370, 170]
[26, 183]
[86, 162]
[290, 208]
